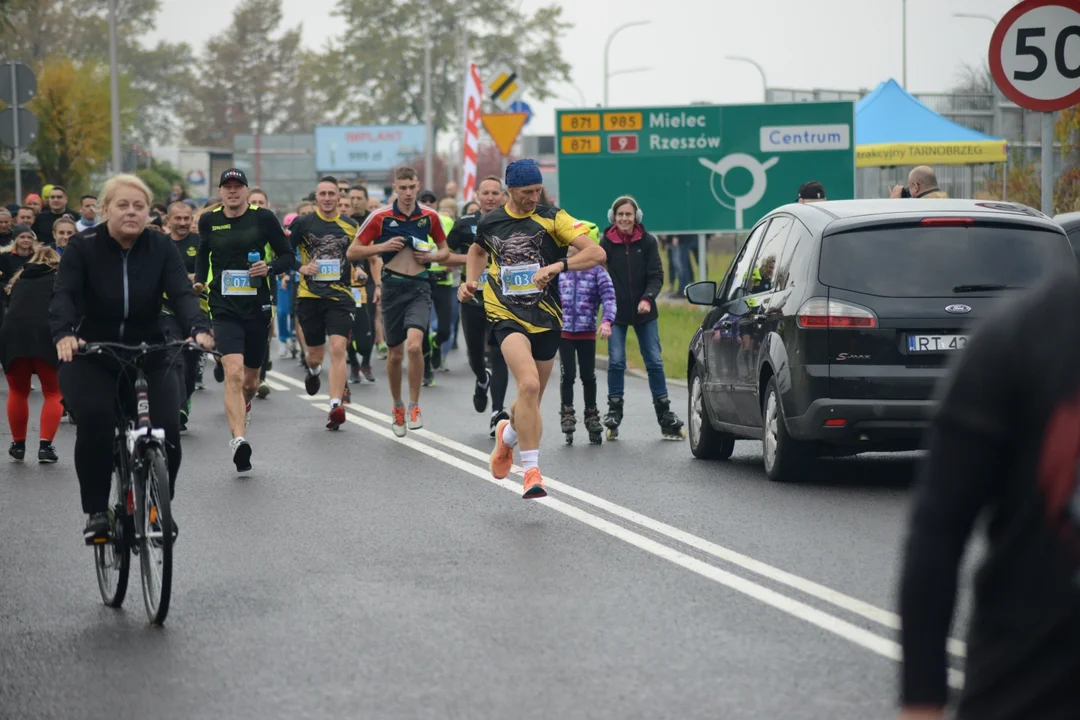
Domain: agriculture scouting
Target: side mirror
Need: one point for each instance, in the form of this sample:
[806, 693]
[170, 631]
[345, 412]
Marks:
[701, 293]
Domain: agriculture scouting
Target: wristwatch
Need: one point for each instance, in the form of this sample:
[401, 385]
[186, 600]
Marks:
[565, 264]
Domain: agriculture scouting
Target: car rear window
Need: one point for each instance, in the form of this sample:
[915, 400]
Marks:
[920, 261]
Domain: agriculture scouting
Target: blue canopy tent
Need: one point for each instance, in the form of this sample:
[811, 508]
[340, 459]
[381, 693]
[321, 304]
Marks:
[892, 128]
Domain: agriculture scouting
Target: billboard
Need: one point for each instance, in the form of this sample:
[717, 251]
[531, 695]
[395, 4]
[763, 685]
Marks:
[366, 148]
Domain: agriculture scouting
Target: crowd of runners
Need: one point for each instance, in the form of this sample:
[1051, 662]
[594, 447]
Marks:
[341, 279]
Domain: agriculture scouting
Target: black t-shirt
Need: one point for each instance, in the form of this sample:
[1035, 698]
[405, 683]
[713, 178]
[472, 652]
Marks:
[43, 224]
[326, 240]
[1004, 443]
[517, 247]
[224, 244]
[460, 238]
[189, 250]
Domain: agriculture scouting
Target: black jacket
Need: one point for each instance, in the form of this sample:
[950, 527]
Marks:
[637, 273]
[105, 293]
[25, 332]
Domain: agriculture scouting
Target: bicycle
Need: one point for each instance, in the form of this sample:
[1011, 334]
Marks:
[140, 514]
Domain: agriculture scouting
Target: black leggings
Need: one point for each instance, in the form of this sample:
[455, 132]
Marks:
[585, 350]
[442, 299]
[474, 323]
[91, 386]
[363, 337]
[191, 372]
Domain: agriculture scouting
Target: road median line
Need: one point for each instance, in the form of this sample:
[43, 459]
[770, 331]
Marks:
[867, 639]
[836, 598]
[877, 644]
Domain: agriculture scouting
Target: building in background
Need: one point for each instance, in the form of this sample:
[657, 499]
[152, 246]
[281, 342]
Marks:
[282, 165]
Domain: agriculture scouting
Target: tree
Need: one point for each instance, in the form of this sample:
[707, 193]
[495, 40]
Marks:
[35, 29]
[374, 74]
[252, 80]
[72, 107]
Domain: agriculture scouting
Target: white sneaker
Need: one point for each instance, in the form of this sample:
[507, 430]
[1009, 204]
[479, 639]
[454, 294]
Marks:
[241, 453]
[284, 353]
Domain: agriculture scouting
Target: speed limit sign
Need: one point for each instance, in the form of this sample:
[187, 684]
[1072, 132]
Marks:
[1035, 54]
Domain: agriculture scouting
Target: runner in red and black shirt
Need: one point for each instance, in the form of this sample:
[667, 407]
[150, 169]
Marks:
[394, 238]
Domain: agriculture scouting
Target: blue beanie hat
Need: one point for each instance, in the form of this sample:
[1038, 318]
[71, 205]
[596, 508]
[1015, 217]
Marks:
[523, 172]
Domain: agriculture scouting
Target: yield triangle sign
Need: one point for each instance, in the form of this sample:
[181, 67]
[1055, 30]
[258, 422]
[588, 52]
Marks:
[504, 128]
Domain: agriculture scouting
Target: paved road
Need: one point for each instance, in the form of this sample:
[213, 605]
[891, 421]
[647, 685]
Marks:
[358, 575]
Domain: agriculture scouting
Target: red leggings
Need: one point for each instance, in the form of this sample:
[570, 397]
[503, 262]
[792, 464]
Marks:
[18, 402]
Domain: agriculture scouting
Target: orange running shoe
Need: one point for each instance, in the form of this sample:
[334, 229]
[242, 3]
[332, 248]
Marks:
[534, 485]
[398, 425]
[502, 457]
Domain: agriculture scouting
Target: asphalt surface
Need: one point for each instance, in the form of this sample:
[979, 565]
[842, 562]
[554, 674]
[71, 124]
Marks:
[356, 575]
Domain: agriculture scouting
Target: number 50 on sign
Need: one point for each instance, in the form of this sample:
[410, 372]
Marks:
[1035, 54]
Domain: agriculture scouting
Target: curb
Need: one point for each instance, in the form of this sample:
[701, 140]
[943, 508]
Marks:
[602, 364]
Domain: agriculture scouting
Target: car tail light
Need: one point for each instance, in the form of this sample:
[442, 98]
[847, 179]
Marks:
[821, 313]
[947, 221]
[835, 422]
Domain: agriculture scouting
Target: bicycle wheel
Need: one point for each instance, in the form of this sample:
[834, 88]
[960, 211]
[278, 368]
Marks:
[154, 520]
[112, 560]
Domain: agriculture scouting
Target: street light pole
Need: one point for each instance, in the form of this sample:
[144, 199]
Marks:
[607, 51]
[761, 70]
[998, 122]
[114, 92]
[429, 139]
[903, 41]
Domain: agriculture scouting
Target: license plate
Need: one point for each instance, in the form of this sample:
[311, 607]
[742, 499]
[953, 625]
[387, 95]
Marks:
[936, 343]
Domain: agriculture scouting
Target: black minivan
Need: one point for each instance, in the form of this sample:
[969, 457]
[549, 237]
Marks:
[837, 319]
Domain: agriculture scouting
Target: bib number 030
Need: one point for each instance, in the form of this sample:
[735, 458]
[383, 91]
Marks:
[518, 279]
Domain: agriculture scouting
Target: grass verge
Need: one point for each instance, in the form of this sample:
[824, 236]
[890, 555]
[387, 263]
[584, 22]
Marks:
[679, 320]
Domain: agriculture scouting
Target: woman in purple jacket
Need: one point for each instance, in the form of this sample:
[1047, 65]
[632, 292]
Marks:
[582, 292]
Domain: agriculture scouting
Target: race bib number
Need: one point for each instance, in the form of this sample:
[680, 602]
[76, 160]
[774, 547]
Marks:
[518, 279]
[481, 283]
[359, 295]
[328, 271]
[237, 282]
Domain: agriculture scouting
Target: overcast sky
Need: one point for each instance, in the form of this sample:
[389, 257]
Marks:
[833, 44]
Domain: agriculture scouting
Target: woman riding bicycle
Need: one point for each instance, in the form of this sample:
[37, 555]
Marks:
[109, 288]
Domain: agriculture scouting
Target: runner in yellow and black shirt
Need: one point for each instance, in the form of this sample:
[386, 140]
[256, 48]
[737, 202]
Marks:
[523, 245]
[324, 300]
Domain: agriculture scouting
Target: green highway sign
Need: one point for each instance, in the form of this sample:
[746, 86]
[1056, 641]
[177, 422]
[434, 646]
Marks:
[703, 168]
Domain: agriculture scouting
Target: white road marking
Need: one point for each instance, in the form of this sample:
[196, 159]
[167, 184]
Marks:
[841, 600]
[877, 644]
[278, 387]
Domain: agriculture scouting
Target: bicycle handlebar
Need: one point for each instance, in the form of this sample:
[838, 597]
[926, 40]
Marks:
[140, 350]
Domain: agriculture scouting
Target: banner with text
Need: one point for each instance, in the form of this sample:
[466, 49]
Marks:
[366, 148]
[471, 143]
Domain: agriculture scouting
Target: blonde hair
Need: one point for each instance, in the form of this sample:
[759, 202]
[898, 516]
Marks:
[124, 180]
[65, 220]
[44, 255]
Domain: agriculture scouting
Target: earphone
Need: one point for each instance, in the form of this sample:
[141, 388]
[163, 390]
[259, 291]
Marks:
[619, 201]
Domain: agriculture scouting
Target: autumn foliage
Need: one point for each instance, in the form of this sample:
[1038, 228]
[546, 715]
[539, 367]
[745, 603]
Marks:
[72, 107]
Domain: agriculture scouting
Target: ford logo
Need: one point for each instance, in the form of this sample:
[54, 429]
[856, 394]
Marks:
[957, 309]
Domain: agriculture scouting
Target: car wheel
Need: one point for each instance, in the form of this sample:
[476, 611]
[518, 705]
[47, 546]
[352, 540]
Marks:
[784, 456]
[706, 442]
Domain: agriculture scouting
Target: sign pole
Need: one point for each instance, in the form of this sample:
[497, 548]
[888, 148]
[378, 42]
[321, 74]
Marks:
[702, 256]
[15, 120]
[1048, 163]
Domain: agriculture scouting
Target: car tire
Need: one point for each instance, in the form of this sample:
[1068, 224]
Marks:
[784, 457]
[706, 442]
